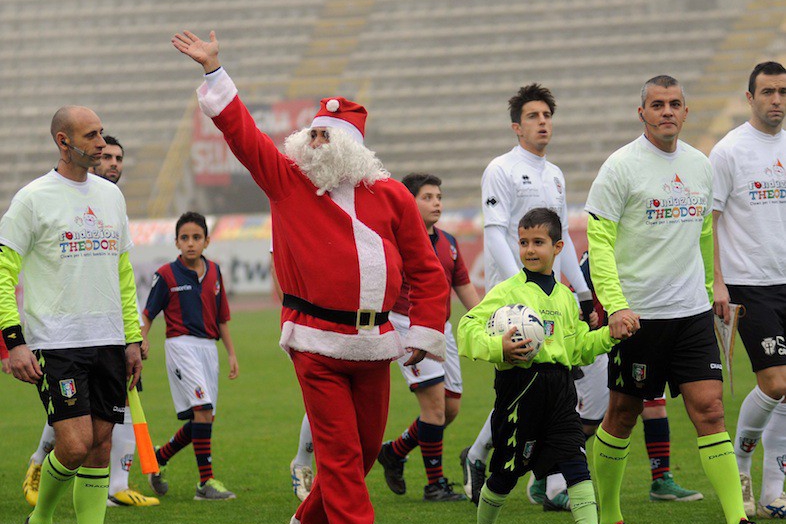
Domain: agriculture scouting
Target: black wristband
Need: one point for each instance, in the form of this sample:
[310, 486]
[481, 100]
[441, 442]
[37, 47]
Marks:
[13, 337]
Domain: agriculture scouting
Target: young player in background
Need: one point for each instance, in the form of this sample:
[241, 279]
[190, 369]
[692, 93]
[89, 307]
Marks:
[437, 386]
[191, 293]
[535, 425]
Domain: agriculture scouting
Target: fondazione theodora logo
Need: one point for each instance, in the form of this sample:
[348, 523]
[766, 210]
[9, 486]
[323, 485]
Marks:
[676, 202]
[89, 236]
[770, 187]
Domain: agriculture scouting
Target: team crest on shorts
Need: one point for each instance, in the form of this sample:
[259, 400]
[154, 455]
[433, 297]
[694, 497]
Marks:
[639, 372]
[548, 328]
[68, 388]
[529, 447]
[748, 444]
[782, 463]
[199, 392]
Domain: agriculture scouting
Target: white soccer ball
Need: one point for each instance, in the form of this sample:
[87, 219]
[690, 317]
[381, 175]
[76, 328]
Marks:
[526, 320]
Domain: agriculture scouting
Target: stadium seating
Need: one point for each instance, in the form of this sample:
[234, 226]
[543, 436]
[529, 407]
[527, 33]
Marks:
[434, 74]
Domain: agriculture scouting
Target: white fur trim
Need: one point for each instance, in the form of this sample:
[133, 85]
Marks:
[216, 92]
[429, 340]
[331, 121]
[371, 252]
[366, 345]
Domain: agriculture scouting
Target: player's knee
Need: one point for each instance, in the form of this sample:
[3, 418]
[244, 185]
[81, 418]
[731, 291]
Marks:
[773, 384]
[622, 416]
[709, 415]
[73, 454]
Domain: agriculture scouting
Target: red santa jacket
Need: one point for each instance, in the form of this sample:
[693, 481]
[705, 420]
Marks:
[344, 250]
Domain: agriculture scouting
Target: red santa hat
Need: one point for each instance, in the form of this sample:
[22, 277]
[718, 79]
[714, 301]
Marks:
[344, 114]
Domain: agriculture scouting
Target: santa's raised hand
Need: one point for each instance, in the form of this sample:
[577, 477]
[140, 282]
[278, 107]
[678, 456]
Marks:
[205, 53]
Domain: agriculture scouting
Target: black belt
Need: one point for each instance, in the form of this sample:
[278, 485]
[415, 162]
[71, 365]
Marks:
[361, 319]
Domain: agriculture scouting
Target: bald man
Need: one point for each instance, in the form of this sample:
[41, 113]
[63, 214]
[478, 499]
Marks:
[68, 231]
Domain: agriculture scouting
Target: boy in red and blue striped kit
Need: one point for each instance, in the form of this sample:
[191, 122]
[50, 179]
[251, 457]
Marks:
[191, 294]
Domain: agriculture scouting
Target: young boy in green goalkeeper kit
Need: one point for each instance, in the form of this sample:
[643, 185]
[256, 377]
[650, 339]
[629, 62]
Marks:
[535, 425]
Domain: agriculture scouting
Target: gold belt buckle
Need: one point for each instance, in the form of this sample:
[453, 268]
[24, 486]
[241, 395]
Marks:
[371, 318]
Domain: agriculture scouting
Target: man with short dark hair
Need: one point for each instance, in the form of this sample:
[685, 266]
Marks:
[69, 232]
[649, 214]
[111, 166]
[512, 184]
[749, 210]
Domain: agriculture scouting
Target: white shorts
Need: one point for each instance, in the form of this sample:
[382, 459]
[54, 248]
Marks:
[592, 390]
[427, 371]
[192, 367]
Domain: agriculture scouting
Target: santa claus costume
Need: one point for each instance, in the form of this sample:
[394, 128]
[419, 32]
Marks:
[340, 248]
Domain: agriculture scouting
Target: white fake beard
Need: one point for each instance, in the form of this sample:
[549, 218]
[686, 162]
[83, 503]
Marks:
[341, 160]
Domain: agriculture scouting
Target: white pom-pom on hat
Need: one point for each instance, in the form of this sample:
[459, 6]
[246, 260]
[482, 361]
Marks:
[332, 105]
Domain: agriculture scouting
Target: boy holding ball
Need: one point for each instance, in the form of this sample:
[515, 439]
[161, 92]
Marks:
[535, 425]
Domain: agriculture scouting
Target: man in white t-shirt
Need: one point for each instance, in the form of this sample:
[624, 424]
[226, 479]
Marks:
[512, 184]
[68, 231]
[650, 241]
[749, 216]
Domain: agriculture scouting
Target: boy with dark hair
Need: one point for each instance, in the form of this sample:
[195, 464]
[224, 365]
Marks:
[514, 183]
[535, 425]
[437, 386]
[191, 293]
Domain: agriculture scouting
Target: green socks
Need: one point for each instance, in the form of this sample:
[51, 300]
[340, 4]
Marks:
[720, 466]
[91, 489]
[582, 503]
[489, 506]
[55, 480]
[610, 455]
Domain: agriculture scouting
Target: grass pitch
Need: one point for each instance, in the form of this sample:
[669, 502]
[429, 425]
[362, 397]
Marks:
[256, 431]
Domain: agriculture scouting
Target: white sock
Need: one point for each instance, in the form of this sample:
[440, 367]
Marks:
[774, 442]
[45, 445]
[305, 447]
[122, 455]
[482, 446]
[755, 412]
[555, 484]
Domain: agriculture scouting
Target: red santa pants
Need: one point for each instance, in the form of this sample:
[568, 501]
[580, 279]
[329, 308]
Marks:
[347, 405]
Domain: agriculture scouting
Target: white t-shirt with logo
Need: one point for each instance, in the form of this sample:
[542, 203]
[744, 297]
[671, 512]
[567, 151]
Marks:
[659, 201]
[513, 184]
[70, 236]
[750, 190]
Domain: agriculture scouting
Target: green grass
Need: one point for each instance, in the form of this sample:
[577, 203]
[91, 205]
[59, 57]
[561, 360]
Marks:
[255, 437]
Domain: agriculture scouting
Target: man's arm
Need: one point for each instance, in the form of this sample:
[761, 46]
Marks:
[602, 236]
[572, 271]
[133, 333]
[720, 293]
[495, 238]
[428, 291]
[22, 362]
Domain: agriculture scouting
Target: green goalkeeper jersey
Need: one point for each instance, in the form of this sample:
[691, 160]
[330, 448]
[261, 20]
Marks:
[568, 340]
